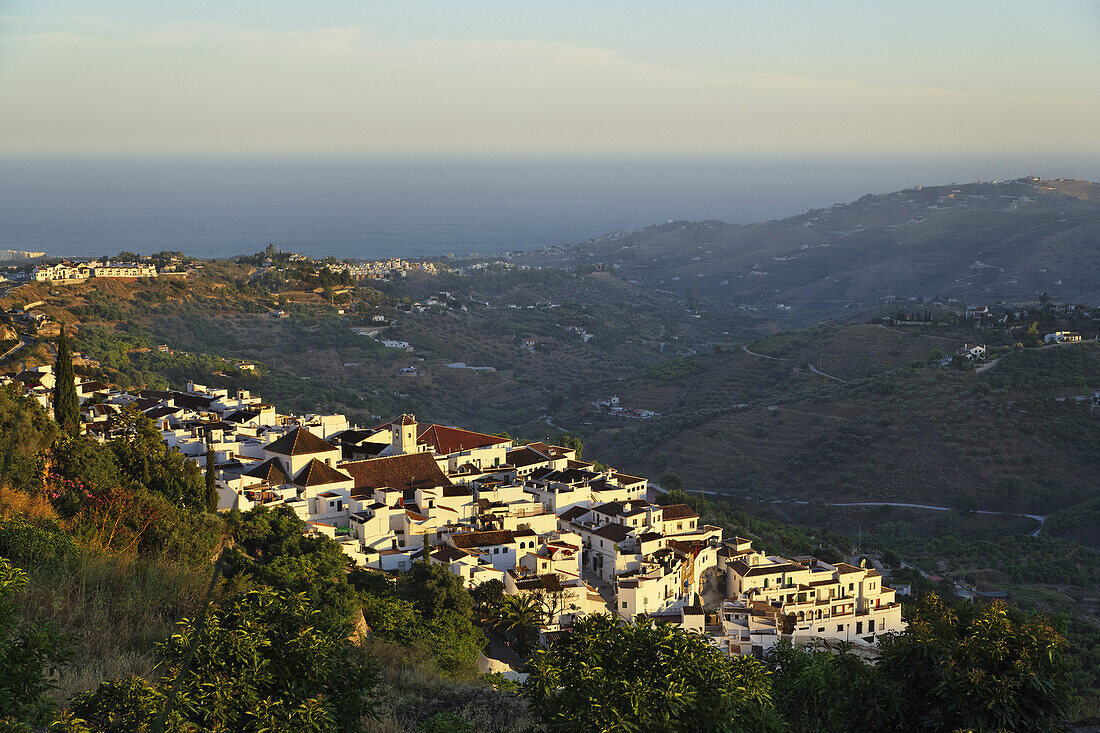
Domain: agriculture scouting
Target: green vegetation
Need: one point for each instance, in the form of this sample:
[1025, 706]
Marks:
[265, 661]
[427, 609]
[674, 370]
[30, 654]
[609, 676]
[66, 403]
[966, 668]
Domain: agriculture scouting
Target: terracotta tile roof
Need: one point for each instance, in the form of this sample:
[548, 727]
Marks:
[525, 456]
[445, 440]
[299, 442]
[448, 554]
[613, 532]
[679, 511]
[271, 471]
[317, 473]
[844, 568]
[190, 401]
[410, 471]
[619, 508]
[483, 539]
[548, 582]
[574, 513]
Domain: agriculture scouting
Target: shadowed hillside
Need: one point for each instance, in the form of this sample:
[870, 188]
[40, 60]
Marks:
[977, 241]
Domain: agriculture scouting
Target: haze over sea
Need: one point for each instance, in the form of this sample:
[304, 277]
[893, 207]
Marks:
[372, 207]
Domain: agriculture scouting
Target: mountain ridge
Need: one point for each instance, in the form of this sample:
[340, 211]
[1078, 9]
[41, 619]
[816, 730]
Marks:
[976, 242]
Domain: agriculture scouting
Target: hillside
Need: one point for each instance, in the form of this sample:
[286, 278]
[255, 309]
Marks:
[759, 421]
[978, 242]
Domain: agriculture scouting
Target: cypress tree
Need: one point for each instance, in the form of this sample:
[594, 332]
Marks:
[211, 487]
[66, 405]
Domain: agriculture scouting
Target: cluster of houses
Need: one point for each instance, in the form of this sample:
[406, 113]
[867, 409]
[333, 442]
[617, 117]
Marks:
[580, 537]
[612, 406]
[1062, 337]
[67, 272]
[381, 269]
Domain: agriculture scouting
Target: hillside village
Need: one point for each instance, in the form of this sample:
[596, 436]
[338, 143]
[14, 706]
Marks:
[580, 537]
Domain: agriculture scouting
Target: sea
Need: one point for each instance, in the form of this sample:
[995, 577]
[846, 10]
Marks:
[369, 207]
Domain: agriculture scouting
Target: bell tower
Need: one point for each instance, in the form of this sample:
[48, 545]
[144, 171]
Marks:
[404, 435]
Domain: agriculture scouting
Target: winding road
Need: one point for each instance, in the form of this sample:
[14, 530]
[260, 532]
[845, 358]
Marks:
[813, 369]
[1041, 519]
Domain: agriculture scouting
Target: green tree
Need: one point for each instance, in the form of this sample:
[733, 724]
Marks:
[66, 404]
[517, 619]
[976, 669]
[26, 431]
[671, 481]
[143, 458]
[266, 661]
[824, 690]
[211, 482]
[611, 676]
[273, 549]
[675, 496]
[428, 608]
[433, 589]
[572, 442]
[30, 655]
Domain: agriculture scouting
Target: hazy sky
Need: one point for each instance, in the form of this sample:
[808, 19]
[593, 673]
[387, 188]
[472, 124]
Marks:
[461, 76]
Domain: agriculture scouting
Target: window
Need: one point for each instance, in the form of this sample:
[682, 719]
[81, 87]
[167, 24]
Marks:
[624, 604]
[839, 628]
[851, 586]
[496, 550]
[679, 525]
[821, 629]
[859, 627]
[871, 626]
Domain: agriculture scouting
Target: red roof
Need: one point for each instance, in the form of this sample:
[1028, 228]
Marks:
[445, 440]
[316, 473]
[298, 442]
[410, 471]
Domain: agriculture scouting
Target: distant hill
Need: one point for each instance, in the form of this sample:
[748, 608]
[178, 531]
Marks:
[978, 242]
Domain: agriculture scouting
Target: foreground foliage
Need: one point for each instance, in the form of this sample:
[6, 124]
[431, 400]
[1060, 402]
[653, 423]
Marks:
[30, 654]
[611, 676]
[968, 668]
[264, 662]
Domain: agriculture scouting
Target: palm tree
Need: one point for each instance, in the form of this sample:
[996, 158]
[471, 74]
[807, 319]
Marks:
[518, 618]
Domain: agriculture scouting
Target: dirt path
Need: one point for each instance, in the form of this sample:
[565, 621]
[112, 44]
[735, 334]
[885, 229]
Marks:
[1041, 519]
[813, 369]
[987, 367]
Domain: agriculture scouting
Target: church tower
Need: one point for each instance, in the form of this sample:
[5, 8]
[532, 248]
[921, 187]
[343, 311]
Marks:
[404, 435]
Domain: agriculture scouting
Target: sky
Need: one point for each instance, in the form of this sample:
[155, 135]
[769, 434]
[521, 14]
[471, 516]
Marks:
[466, 77]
